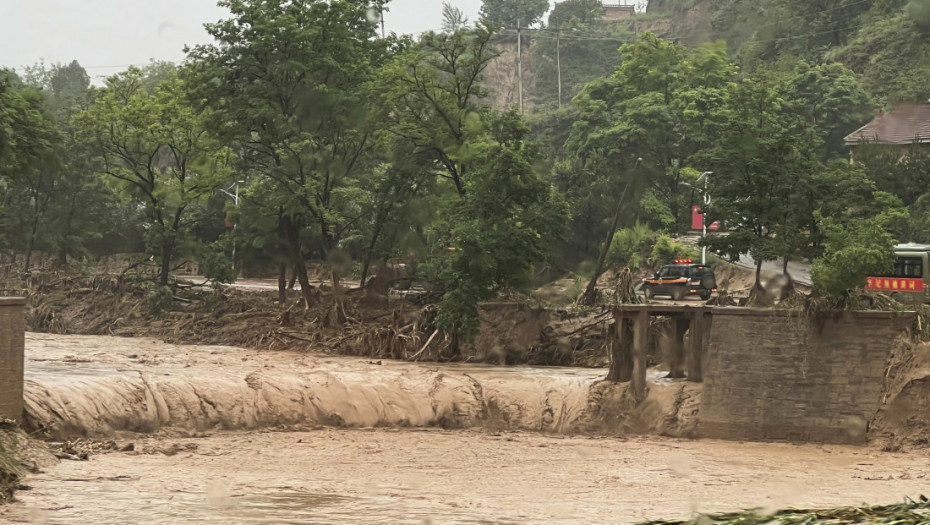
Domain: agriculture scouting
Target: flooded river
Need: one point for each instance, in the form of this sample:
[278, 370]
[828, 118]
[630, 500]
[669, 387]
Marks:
[235, 436]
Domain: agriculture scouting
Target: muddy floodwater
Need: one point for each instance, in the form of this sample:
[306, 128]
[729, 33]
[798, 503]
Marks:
[236, 436]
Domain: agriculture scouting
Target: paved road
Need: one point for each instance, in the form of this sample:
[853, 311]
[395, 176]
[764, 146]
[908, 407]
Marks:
[799, 271]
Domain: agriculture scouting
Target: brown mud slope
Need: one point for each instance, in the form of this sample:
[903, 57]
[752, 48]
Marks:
[79, 386]
[903, 421]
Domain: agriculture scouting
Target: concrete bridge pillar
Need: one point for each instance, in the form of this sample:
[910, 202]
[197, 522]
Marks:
[12, 343]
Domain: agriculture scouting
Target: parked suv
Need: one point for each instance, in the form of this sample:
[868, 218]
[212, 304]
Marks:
[682, 279]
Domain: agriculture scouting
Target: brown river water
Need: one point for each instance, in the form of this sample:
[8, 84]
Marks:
[225, 435]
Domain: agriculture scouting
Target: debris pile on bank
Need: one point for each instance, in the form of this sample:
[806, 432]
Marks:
[910, 512]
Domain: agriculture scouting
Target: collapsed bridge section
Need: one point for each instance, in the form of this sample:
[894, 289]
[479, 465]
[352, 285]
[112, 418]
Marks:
[769, 374]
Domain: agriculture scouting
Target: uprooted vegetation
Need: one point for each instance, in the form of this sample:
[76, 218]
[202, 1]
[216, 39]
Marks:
[352, 321]
[11, 469]
[120, 299]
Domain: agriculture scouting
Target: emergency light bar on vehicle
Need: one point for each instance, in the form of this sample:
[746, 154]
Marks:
[684, 261]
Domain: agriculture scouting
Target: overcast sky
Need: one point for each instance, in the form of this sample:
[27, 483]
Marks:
[106, 36]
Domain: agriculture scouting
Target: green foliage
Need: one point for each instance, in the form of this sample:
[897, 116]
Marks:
[630, 246]
[155, 151]
[575, 14]
[491, 238]
[655, 112]
[854, 250]
[430, 98]
[666, 250]
[453, 19]
[508, 13]
[158, 298]
[216, 263]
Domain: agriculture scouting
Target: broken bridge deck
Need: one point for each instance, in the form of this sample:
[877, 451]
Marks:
[630, 342]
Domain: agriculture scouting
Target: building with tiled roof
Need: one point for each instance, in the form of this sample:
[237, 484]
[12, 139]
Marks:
[618, 11]
[904, 125]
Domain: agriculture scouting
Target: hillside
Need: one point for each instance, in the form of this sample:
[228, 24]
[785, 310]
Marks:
[886, 42]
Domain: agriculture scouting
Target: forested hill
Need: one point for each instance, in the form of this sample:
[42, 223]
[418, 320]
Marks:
[885, 42]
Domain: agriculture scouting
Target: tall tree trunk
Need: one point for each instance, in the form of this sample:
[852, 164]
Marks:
[290, 284]
[282, 282]
[305, 289]
[366, 262]
[31, 243]
[758, 285]
[291, 235]
[166, 252]
[589, 297]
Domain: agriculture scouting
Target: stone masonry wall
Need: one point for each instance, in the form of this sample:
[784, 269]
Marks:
[12, 335]
[775, 376]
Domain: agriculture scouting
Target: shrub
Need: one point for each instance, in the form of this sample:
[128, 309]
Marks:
[629, 247]
[666, 250]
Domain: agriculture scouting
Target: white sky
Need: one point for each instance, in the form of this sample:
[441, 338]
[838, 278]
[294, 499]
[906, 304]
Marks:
[106, 36]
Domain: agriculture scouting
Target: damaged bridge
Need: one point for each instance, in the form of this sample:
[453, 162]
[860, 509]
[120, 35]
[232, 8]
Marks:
[770, 374]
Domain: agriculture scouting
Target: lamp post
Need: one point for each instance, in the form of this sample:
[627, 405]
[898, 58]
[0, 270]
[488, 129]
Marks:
[235, 198]
[706, 175]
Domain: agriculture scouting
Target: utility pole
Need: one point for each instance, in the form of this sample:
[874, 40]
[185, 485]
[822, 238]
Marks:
[520, 64]
[382, 23]
[558, 61]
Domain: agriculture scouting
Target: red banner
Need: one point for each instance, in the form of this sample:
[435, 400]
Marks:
[895, 284]
[697, 220]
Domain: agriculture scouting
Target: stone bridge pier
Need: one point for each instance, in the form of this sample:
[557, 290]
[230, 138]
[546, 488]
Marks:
[630, 341]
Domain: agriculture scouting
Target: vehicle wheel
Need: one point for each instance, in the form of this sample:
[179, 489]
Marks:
[705, 296]
[708, 282]
[647, 291]
[678, 294]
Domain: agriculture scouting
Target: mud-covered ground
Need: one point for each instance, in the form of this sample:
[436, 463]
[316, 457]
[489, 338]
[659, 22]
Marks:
[461, 476]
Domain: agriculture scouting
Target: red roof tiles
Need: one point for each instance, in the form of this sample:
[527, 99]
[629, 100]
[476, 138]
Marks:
[904, 124]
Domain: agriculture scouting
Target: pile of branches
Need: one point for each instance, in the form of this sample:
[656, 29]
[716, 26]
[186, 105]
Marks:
[908, 513]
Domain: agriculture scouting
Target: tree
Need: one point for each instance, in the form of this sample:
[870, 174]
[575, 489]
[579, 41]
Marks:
[574, 14]
[491, 238]
[453, 19]
[29, 161]
[81, 208]
[661, 105]
[510, 14]
[430, 97]
[154, 149]
[759, 161]
[636, 133]
[286, 80]
[830, 99]
[856, 248]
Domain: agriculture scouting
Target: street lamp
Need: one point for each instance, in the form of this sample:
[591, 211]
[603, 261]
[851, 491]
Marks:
[235, 198]
[706, 175]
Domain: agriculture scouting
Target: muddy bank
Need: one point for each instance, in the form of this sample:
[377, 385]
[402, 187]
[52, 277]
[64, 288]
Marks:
[903, 420]
[99, 386]
[411, 476]
[365, 323]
